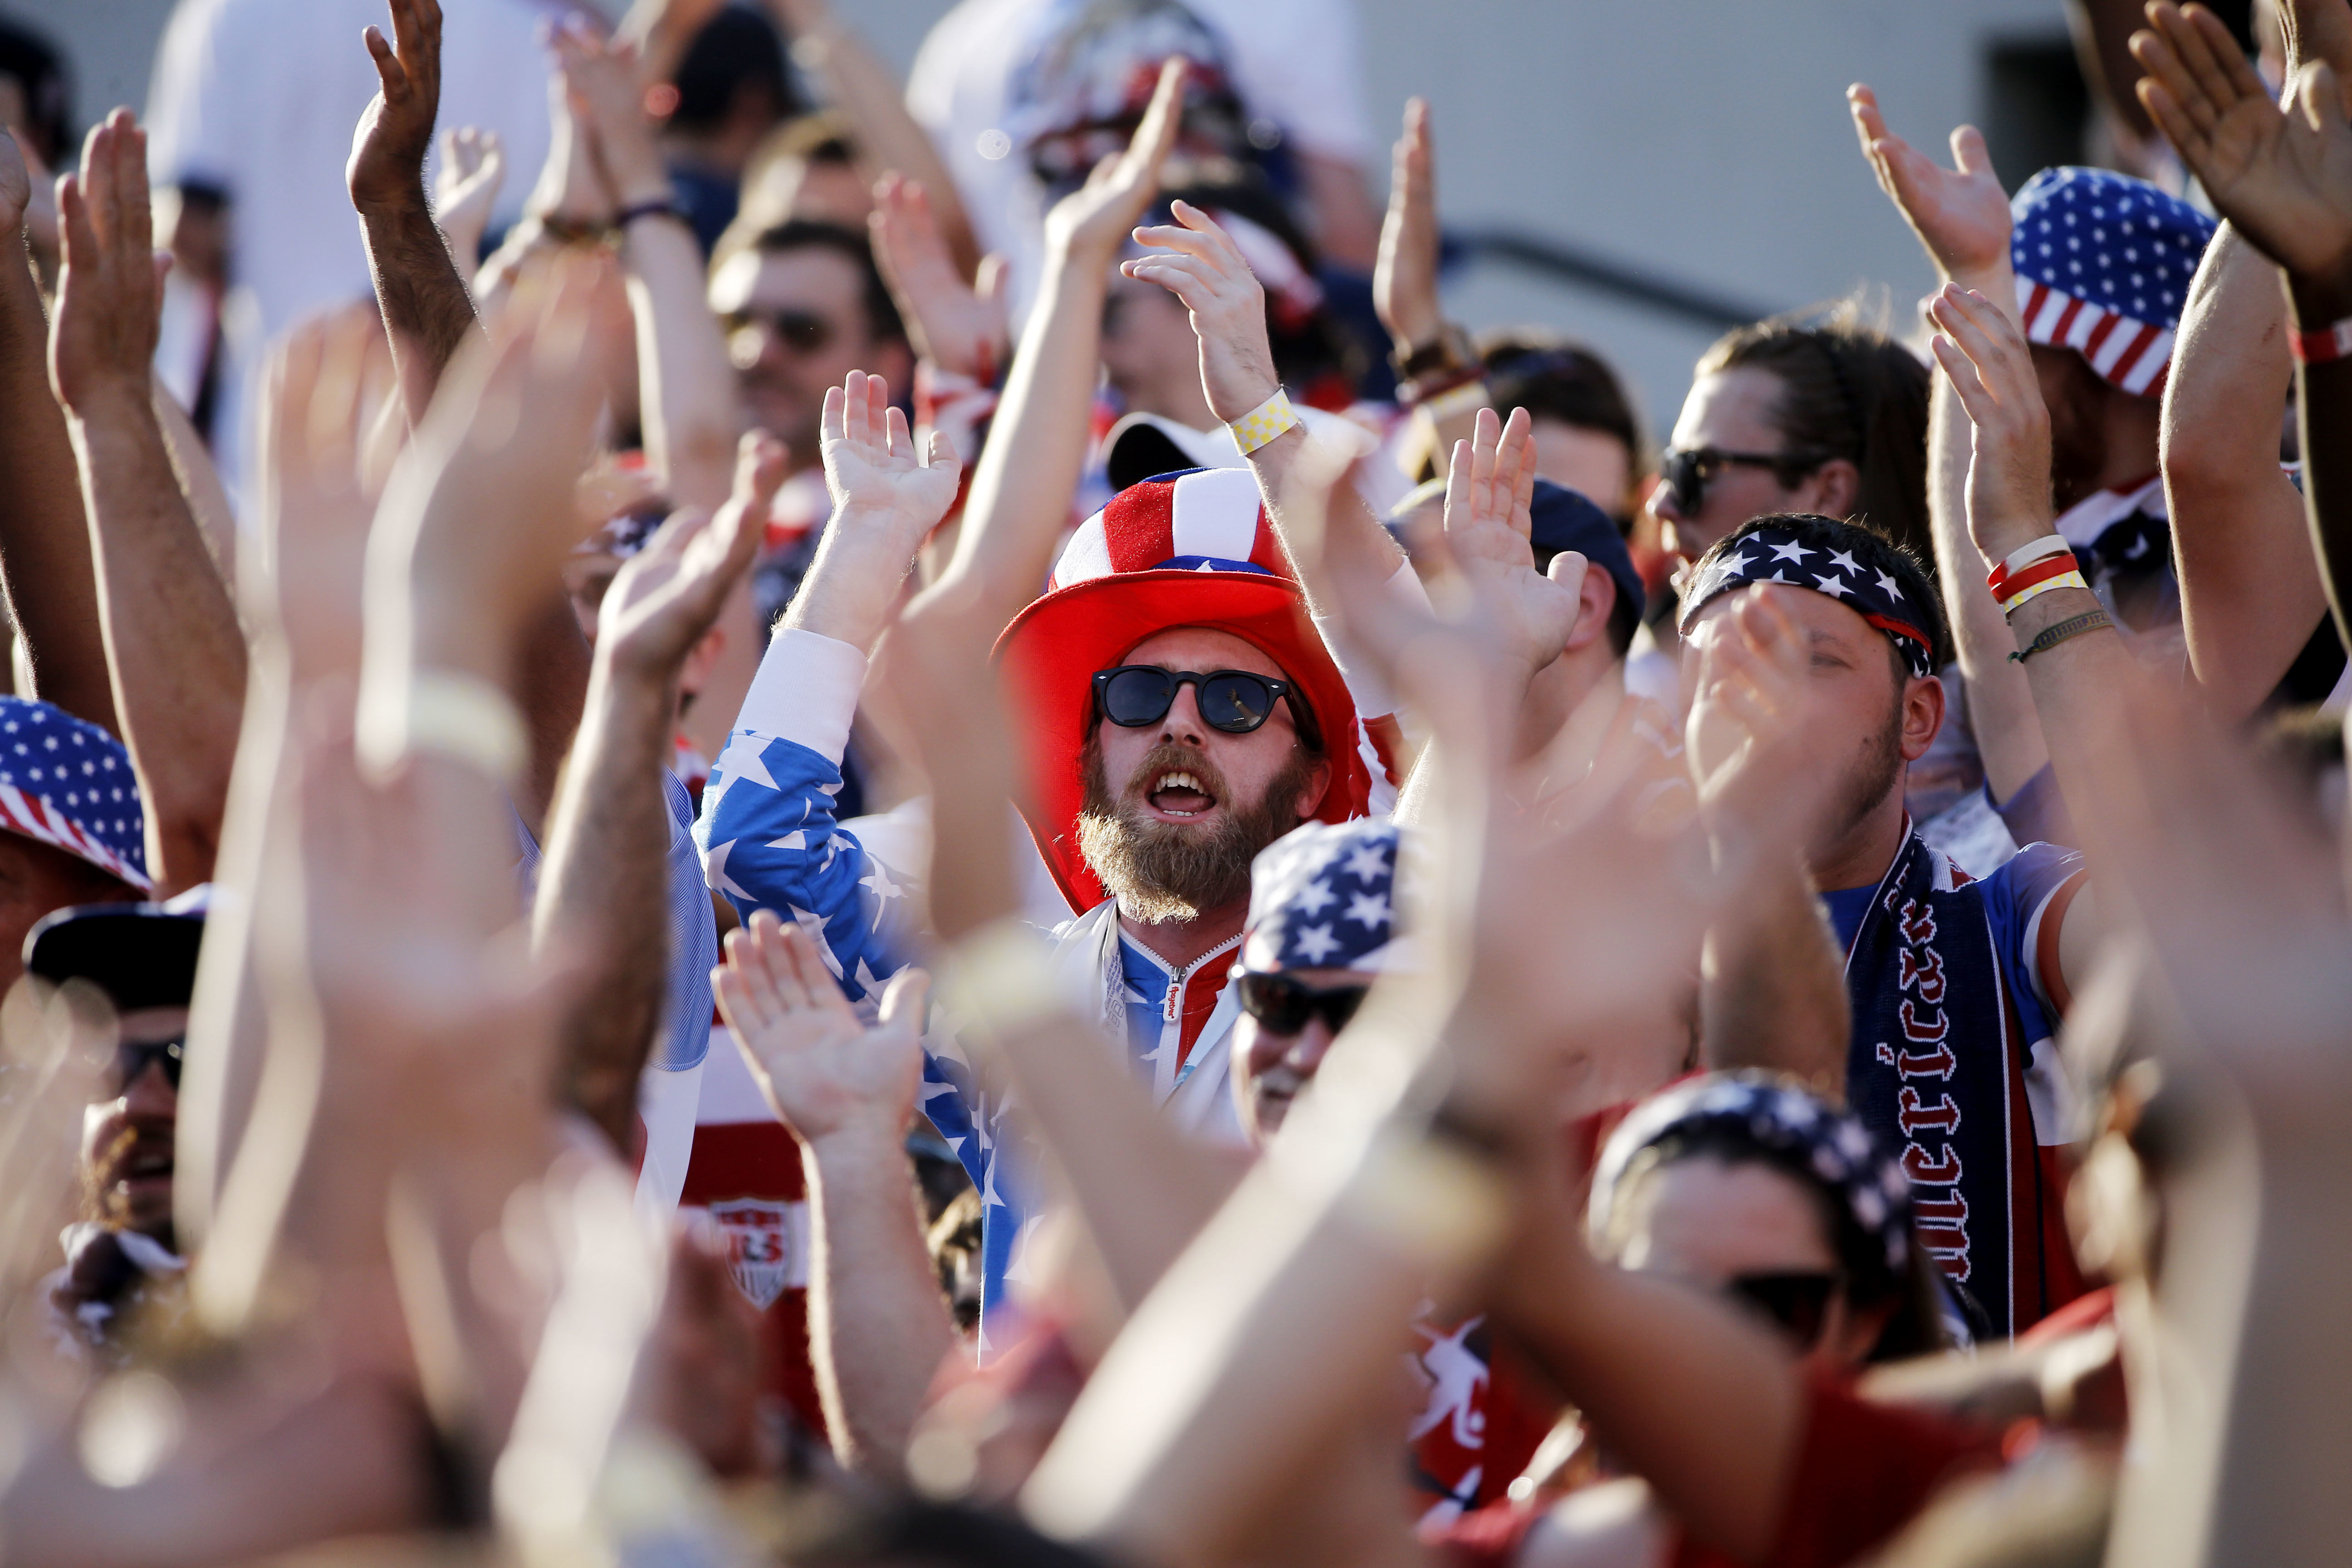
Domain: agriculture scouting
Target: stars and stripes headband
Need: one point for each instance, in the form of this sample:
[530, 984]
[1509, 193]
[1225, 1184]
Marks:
[1323, 896]
[1776, 1117]
[2103, 264]
[1774, 554]
[70, 784]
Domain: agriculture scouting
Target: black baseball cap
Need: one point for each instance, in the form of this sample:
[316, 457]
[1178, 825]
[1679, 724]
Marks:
[1562, 518]
[140, 955]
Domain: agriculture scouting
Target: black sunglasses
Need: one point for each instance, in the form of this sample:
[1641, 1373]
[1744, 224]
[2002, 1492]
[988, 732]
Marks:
[131, 1059]
[1797, 1302]
[799, 330]
[1689, 472]
[1234, 701]
[1282, 1005]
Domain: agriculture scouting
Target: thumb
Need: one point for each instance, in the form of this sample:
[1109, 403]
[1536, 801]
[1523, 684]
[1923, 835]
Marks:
[1568, 569]
[1970, 154]
[908, 993]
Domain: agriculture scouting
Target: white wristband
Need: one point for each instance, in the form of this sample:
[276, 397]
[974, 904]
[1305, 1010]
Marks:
[2041, 549]
[463, 718]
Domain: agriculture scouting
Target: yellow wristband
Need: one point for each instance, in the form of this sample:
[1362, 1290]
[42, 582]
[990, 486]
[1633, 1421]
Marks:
[1263, 424]
[2010, 607]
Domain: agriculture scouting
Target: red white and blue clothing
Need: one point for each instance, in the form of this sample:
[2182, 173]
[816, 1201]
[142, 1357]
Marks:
[1956, 995]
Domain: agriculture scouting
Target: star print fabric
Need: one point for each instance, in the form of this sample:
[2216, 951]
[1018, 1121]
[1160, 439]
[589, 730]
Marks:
[2103, 264]
[1324, 897]
[70, 784]
[1771, 554]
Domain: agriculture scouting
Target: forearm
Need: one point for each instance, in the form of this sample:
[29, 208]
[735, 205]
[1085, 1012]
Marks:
[173, 642]
[878, 1325]
[200, 483]
[550, 679]
[427, 312]
[2080, 688]
[45, 556]
[2323, 421]
[1684, 1389]
[862, 86]
[687, 399]
[1353, 542]
[2001, 712]
[1772, 988]
[1029, 468]
[603, 887]
[2250, 591]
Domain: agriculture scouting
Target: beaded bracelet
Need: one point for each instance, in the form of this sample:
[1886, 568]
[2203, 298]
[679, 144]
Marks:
[2053, 634]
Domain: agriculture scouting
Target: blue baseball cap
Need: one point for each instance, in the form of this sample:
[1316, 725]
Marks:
[1565, 520]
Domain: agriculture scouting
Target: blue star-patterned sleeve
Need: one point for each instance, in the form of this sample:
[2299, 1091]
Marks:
[768, 834]
[2020, 898]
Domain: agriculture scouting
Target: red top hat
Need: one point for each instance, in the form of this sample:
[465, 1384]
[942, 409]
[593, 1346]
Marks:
[1187, 550]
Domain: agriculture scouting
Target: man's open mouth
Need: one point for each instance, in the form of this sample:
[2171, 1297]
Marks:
[1179, 793]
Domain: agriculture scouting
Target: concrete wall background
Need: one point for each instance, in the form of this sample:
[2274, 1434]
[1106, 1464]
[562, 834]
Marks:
[1705, 141]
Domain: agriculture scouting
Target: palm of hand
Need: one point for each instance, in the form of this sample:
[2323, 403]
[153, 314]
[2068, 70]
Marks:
[864, 475]
[2292, 194]
[1962, 218]
[825, 1071]
[1533, 614]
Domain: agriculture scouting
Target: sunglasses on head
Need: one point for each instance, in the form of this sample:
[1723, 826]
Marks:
[1687, 471]
[1799, 1302]
[1234, 701]
[1283, 1006]
[799, 330]
[129, 1062]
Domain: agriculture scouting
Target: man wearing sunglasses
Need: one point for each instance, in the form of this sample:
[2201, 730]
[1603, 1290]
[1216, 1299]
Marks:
[141, 958]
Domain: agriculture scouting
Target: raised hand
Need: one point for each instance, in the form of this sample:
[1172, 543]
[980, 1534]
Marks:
[316, 504]
[1744, 736]
[473, 166]
[1959, 214]
[1200, 264]
[871, 466]
[667, 596]
[2318, 30]
[1489, 488]
[1991, 368]
[601, 81]
[1092, 222]
[958, 326]
[823, 1072]
[395, 132]
[109, 293]
[2283, 176]
[1404, 282]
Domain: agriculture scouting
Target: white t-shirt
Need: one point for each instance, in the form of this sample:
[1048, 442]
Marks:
[260, 99]
[1295, 62]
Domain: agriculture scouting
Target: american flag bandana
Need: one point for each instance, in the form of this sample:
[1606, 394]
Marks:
[1771, 554]
[1323, 896]
[2103, 263]
[70, 784]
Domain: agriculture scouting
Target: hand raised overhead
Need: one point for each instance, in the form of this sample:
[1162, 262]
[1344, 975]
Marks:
[823, 1071]
[1199, 263]
[1489, 488]
[473, 166]
[958, 326]
[395, 132]
[1991, 368]
[670, 592]
[110, 294]
[1091, 223]
[871, 466]
[1404, 281]
[2283, 176]
[1959, 214]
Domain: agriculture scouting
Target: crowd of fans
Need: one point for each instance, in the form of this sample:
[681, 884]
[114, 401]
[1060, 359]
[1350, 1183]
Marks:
[752, 818]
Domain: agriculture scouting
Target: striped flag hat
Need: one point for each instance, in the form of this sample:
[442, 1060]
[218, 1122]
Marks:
[68, 784]
[1192, 549]
[2103, 265]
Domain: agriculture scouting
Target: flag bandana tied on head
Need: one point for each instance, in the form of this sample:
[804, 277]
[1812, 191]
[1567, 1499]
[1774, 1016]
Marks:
[1771, 554]
[2103, 263]
[1323, 896]
[70, 784]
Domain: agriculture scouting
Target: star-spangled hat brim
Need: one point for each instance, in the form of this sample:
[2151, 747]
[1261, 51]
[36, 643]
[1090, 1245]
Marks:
[1051, 649]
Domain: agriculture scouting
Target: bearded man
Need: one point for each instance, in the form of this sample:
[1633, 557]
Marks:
[1181, 712]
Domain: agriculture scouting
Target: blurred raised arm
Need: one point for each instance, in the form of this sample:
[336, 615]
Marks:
[173, 643]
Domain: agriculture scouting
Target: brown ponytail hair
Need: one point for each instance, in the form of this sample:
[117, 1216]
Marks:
[1851, 392]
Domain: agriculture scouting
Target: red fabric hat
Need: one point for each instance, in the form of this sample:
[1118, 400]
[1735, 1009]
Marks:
[1189, 549]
